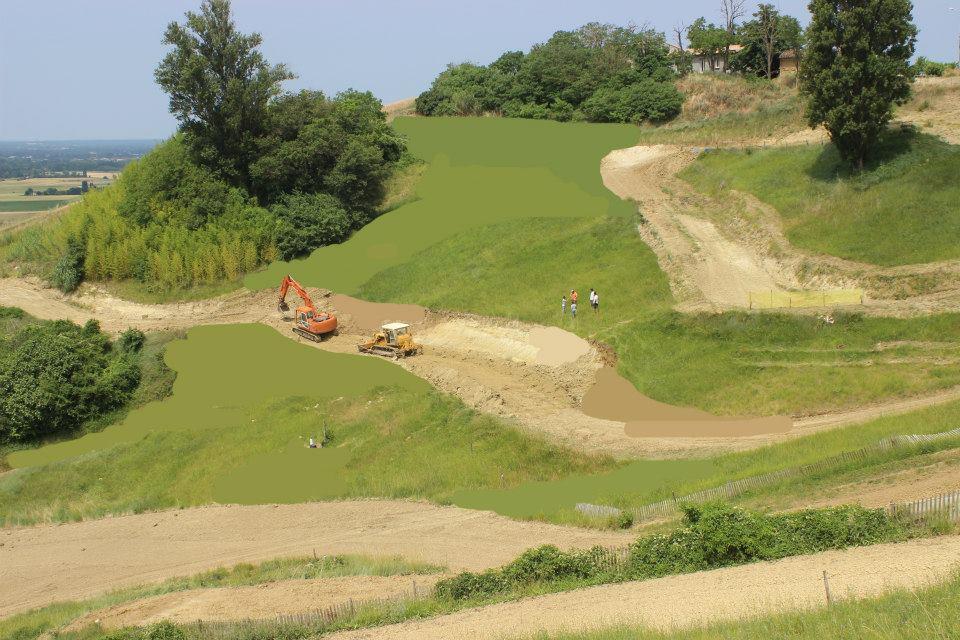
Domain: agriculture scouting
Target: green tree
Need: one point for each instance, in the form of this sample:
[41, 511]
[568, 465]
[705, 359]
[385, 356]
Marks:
[708, 40]
[219, 85]
[308, 221]
[68, 273]
[764, 38]
[856, 68]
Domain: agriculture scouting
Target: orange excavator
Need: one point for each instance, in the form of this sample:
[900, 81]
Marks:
[309, 323]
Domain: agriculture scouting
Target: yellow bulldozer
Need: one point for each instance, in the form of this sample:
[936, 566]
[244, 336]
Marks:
[394, 340]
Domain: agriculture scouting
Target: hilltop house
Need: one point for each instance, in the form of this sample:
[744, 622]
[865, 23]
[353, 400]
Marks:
[702, 63]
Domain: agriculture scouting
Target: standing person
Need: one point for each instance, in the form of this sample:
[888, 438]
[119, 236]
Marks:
[596, 302]
[563, 305]
[573, 296]
[573, 308]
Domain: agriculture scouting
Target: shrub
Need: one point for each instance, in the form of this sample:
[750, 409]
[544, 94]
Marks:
[308, 221]
[131, 341]
[68, 272]
[54, 376]
[166, 630]
[713, 535]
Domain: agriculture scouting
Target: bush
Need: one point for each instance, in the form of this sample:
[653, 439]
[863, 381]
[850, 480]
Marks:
[131, 341]
[713, 535]
[55, 376]
[308, 221]
[68, 272]
[645, 101]
[166, 630]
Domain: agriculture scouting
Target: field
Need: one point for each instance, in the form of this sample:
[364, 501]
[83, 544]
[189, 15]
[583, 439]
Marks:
[902, 210]
[494, 221]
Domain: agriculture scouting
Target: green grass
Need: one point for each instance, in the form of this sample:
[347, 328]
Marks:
[481, 171]
[904, 209]
[732, 363]
[926, 614]
[30, 205]
[33, 624]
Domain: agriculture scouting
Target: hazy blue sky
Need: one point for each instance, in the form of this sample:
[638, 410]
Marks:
[79, 70]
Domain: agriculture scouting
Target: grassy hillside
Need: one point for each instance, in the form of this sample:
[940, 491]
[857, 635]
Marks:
[729, 363]
[904, 209]
[481, 171]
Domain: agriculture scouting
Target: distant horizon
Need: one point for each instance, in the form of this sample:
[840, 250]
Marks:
[93, 77]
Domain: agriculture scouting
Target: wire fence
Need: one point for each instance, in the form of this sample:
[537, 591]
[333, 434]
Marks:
[668, 508]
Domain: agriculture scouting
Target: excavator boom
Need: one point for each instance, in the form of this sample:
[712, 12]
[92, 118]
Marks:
[285, 286]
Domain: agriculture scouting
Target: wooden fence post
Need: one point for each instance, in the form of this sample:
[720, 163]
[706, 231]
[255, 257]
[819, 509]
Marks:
[826, 588]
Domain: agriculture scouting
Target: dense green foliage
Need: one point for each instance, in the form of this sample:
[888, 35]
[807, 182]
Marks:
[55, 376]
[926, 67]
[856, 68]
[219, 85]
[599, 72]
[764, 38]
[901, 209]
[713, 535]
[192, 211]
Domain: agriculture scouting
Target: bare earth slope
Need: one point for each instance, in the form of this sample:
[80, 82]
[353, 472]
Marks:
[43, 564]
[678, 601]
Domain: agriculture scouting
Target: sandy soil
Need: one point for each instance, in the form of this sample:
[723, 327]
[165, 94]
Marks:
[679, 601]
[399, 108]
[46, 563]
[263, 601]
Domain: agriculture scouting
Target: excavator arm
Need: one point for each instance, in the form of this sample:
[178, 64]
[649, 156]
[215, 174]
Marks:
[285, 286]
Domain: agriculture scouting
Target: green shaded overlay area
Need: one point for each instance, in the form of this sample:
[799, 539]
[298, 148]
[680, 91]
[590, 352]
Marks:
[903, 209]
[482, 171]
[622, 486]
[38, 204]
[222, 372]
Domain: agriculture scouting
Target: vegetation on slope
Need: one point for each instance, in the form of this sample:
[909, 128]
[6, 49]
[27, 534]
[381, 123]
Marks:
[253, 174]
[599, 72]
[57, 377]
[34, 624]
[902, 209]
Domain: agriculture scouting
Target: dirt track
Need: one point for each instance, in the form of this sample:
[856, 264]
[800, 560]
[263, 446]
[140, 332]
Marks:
[697, 598]
[715, 253]
[43, 564]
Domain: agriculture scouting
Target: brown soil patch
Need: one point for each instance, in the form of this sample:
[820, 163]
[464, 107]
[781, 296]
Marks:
[265, 601]
[698, 598]
[370, 316]
[44, 564]
[614, 398]
[557, 347]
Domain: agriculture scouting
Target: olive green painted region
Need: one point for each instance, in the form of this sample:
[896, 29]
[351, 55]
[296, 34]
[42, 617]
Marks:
[223, 371]
[482, 171]
[531, 499]
[294, 474]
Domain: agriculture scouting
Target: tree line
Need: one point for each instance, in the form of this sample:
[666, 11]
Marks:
[853, 58]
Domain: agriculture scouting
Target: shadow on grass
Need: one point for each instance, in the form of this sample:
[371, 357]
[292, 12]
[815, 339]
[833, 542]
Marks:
[897, 151]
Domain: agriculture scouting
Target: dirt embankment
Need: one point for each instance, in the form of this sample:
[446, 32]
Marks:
[264, 601]
[697, 598]
[716, 253]
[47, 563]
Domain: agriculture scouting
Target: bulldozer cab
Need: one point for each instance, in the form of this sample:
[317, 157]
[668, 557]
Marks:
[393, 331]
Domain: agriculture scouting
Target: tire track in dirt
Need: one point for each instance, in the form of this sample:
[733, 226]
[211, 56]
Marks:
[697, 598]
[47, 563]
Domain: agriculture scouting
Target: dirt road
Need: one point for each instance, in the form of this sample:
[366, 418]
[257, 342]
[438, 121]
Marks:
[697, 598]
[43, 564]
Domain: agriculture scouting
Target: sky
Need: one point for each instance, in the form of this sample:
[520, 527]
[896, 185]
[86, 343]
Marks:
[84, 70]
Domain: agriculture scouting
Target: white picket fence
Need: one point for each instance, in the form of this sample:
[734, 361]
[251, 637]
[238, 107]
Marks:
[946, 505]
[668, 508]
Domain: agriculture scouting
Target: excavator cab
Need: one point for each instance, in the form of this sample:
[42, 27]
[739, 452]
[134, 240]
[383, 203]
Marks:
[308, 322]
